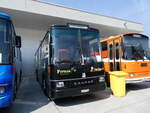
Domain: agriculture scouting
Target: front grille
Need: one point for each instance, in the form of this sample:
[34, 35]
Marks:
[81, 83]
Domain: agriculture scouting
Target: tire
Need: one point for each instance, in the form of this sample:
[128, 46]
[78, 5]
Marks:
[15, 88]
[45, 88]
[44, 85]
[107, 81]
[48, 94]
[108, 84]
[36, 72]
[20, 80]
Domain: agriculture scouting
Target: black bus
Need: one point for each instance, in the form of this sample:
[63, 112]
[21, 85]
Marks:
[68, 61]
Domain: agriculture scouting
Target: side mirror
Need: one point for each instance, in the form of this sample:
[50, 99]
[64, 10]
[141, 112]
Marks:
[18, 41]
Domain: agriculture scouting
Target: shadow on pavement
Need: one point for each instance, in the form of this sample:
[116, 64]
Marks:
[29, 98]
[83, 99]
[137, 86]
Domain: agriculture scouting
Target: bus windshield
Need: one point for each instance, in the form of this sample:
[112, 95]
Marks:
[5, 41]
[75, 45]
[90, 46]
[136, 47]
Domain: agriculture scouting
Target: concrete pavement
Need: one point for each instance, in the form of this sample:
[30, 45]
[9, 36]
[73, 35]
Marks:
[30, 99]
[137, 100]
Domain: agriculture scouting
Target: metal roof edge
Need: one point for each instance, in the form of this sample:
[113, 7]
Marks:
[86, 11]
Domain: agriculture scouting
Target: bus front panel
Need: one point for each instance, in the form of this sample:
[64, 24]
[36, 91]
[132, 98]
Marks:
[76, 66]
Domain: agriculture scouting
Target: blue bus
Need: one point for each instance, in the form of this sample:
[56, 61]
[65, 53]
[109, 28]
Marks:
[10, 61]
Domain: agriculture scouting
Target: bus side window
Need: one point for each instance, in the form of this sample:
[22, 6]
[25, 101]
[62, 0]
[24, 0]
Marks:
[117, 57]
[7, 34]
[40, 49]
[52, 59]
[110, 52]
[111, 56]
[111, 66]
[104, 50]
[45, 47]
[20, 55]
[117, 51]
[13, 35]
[44, 51]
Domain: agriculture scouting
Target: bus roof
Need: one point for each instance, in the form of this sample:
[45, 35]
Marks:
[5, 16]
[121, 35]
[67, 26]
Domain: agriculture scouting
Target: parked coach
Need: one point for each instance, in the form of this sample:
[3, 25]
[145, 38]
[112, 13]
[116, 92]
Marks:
[129, 53]
[68, 61]
[10, 61]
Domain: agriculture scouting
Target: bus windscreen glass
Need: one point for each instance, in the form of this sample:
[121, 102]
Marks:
[136, 47]
[5, 42]
[90, 46]
[75, 45]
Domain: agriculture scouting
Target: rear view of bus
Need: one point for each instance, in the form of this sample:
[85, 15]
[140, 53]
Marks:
[68, 61]
[128, 53]
[10, 61]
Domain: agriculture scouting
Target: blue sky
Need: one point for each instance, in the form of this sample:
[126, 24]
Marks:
[134, 10]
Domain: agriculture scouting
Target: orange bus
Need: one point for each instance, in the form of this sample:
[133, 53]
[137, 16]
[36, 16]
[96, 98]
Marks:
[129, 53]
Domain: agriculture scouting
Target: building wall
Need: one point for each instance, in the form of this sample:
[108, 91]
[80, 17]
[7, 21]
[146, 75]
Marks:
[30, 42]
[64, 13]
[32, 18]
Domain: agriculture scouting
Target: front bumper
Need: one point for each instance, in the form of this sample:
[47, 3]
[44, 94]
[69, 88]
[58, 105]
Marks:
[136, 80]
[79, 90]
[5, 101]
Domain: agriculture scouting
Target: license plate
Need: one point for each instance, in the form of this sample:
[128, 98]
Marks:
[85, 90]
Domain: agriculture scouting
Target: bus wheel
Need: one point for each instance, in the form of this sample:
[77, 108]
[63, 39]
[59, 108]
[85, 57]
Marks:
[107, 81]
[36, 76]
[14, 88]
[108, 84]
[20, 77]
[45, 88]
[44, 85]
[48, 93]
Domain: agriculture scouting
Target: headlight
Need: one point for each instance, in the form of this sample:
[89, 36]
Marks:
[131, 75]
[59, 84]
[101, 79]
[2, 90]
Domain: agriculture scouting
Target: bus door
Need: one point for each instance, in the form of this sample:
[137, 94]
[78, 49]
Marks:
[114, 55]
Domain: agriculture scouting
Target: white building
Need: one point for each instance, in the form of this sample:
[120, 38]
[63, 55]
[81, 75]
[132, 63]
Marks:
[32, 18]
